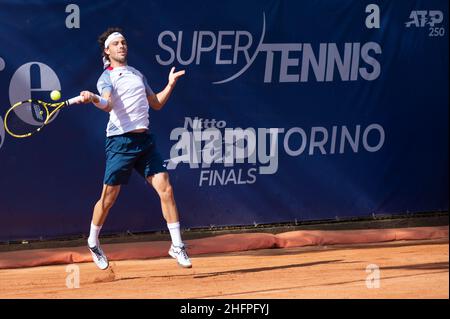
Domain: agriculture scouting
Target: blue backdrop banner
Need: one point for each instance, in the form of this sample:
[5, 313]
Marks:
[289, 110]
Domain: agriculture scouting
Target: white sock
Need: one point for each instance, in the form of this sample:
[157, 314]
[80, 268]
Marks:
[93, 235]
[175, 234]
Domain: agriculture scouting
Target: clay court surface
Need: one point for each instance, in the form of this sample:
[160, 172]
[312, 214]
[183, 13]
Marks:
[408, 269]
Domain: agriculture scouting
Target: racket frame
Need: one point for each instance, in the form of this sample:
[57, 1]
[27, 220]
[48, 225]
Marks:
[45, 105]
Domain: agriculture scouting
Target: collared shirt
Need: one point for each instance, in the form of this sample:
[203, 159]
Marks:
[129, 90]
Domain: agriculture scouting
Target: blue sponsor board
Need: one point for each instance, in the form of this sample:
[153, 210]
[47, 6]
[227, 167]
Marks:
[289, 110]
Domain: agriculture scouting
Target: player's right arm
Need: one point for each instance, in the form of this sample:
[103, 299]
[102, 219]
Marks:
[102, 102]
[104, 87]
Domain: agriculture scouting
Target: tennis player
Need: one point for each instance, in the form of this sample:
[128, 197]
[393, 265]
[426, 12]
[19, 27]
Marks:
[126, 95]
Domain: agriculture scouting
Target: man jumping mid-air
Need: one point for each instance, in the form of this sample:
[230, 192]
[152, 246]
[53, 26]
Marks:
[126, 96]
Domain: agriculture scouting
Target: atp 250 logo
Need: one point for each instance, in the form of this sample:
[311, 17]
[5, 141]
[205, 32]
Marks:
[31, 80]
[431, 19]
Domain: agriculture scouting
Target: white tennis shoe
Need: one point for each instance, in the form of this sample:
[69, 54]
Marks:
[180, 254]
[99, 257]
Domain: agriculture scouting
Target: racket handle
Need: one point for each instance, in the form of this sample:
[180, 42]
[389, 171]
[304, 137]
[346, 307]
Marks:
[74, 100]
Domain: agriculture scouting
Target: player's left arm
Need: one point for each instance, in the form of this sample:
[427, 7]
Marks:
[158, 100]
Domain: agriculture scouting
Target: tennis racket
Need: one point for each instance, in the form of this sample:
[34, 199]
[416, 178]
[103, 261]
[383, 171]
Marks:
[25, 118]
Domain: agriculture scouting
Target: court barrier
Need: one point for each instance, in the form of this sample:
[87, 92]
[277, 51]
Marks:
[220, 244]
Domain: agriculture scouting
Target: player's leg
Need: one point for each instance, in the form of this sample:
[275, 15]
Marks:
[101, 210]
[119, 165]
[161, 184]
[151, 166]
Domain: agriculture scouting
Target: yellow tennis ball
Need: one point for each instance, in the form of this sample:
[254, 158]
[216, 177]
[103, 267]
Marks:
[55, 95]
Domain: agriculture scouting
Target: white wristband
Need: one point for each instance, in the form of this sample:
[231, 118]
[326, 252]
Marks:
[102, 103]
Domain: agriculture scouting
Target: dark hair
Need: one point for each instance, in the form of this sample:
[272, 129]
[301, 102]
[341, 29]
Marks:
[102, 38]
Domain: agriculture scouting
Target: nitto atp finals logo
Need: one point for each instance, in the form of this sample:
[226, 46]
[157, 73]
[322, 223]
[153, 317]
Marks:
[318, 63]
[223, 154]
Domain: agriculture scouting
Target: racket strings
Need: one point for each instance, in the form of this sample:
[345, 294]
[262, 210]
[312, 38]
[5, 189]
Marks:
[38, 113]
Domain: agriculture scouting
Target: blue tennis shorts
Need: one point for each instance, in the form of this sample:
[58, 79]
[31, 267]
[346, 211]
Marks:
[131, 151]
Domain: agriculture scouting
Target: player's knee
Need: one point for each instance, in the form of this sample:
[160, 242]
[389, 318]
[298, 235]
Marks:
[106, 203]
[109, 196]
[107, 200]
[166, 192]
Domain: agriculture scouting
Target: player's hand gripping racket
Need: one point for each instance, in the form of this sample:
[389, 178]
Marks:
[25, 118]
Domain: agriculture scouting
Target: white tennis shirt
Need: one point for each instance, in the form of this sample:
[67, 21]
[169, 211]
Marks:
[129, 90]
